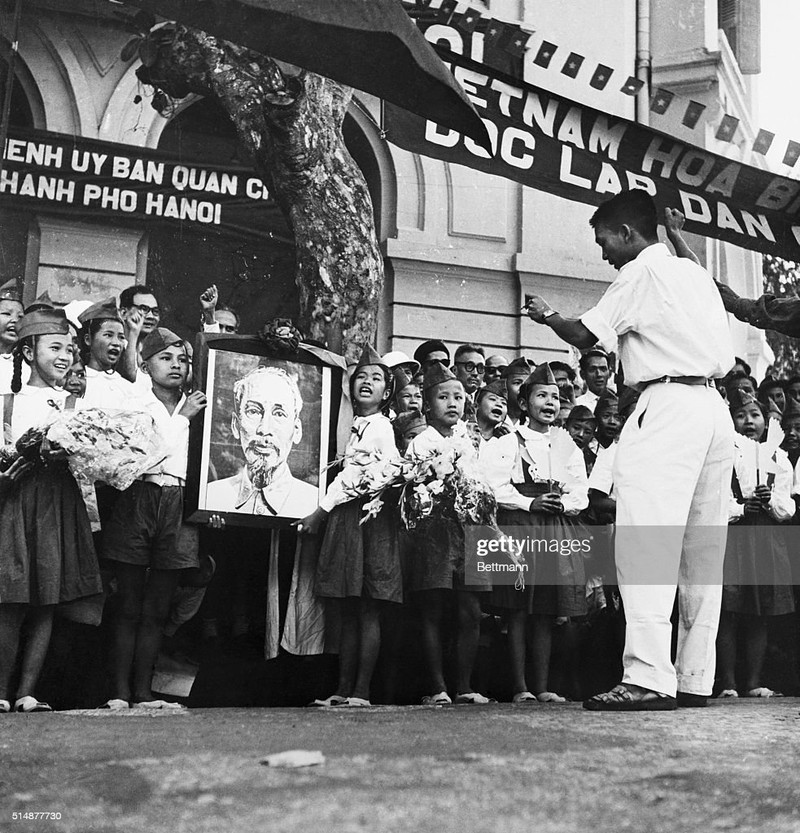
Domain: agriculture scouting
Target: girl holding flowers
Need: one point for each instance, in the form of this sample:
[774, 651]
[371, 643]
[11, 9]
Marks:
[549, 487]
[48, 554]
[359, 563]
[448, 493]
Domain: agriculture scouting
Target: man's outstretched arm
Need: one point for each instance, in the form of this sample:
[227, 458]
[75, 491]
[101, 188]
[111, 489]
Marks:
[765, 313]
[571, 330]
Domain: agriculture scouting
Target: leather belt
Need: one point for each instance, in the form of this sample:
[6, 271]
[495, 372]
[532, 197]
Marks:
[163, 479]
[682, 380]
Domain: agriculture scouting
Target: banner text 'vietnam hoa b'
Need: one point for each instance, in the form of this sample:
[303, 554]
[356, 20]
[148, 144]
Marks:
[552, 144]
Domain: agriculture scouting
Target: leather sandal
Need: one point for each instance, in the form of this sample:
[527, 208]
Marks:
[623, 698]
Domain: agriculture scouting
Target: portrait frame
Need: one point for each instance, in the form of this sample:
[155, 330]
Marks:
[216, 454]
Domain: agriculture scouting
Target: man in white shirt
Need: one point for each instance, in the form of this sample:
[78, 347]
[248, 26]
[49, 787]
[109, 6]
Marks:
[675, 455]
[595, 372]
[266, 421]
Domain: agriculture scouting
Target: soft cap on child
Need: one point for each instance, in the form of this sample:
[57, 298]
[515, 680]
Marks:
[437, 374]
[607, 398]
[9, 291]
[405, 422]
[100, 311]
[44, 301]
[42, 322]
[792, 409]
[580, 413]
[369, 356]
[519, 365]
[739, 398]
[498, 387]
[159, 340]
[542, 375]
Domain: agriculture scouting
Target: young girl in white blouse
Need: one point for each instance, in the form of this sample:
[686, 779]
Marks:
[757, 568]
[437, 570]
[48, 556]
[540, 507]
[359, 564]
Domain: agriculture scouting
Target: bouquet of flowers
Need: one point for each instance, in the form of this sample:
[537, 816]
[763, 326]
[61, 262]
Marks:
[446, 482]
[370, 474]
[114, 447]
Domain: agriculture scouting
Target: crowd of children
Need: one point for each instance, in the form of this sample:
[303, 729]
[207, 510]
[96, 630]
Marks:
[542, 447]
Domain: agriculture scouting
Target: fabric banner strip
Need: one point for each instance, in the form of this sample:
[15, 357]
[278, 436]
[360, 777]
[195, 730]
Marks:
[65, 174]
[552, 144]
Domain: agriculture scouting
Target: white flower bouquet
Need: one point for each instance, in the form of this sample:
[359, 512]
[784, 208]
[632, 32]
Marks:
[114, 447]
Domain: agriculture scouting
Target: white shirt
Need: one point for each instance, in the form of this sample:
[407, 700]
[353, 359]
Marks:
[173, 431]
[588, 399]
[534, 452]
[430, 441]
[667, 317]
[601, 477]
[286, 496]
[371, 438]
[497, 458]
[33, 407]
[7, 372]
[108, 391]
[781, 503]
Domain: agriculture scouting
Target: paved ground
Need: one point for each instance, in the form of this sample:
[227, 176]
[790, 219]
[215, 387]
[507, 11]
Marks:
[732, 766]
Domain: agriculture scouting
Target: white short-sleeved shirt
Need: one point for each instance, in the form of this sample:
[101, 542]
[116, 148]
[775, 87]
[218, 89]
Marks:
[664, 317]
[33, 407]
[107, 391]
[601, 479]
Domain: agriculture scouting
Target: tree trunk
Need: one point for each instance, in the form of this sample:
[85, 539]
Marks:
[290, 122]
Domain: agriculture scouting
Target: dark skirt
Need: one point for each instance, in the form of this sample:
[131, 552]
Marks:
[48, 554]
[758, 572]
[437, 558]
[360, 560]
[556, 585]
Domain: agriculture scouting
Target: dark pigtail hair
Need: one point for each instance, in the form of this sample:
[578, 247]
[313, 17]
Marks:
[16, 377]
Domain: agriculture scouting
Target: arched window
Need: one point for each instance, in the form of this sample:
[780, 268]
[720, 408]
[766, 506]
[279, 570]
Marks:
[254, 274]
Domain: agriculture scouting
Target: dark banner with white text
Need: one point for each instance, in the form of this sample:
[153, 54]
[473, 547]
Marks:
[63, 174]
[552, 144]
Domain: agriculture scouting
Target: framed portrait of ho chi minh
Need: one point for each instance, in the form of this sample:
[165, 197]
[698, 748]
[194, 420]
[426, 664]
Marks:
[258, 453]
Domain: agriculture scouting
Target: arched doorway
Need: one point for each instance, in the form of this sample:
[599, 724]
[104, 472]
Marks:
[254, 273]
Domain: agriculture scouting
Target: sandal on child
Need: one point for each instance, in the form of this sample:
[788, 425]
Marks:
[333, 700]
[762, 692]
[116, 704]
[727, 693]
[472, 698]
[29, 704]
[5, 706]
[440, 699]
[524, 697]
[550, 697]
[155, 705]
[354, 703]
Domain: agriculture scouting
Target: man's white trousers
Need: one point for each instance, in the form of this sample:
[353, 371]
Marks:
[672, 480]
